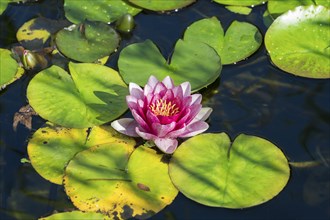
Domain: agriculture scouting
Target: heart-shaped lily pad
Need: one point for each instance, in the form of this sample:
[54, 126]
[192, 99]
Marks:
[92, 95]
[110, 180]
[34, 33]
[76, 215]
[298, 42]
[9, 68]
[51, 147]
[221, 174]
[138, 61]
[155, 5]
[88, 41]
[241, 2]
[240, 41]
[100, 10]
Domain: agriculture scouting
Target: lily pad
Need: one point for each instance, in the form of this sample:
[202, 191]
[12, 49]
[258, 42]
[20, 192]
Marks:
[240, 41]
[278, 7]
[231, 175]
[239, 9]
[51, 147]
[241, 2]
[298, 42]
[140, 60]
[92, 95]
[9, 68]
[155, 5]
[88, 41]
[3, 5]
[100, 10]
[110, 180]
[76, 215]
[34, 33]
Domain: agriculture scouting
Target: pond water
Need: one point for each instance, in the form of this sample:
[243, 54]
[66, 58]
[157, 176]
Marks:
[252, 97]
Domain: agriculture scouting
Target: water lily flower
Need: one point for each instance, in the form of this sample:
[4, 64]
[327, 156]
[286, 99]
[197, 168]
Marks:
[163, 112]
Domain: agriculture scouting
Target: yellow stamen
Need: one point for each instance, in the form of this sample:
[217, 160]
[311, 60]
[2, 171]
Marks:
[164, 108]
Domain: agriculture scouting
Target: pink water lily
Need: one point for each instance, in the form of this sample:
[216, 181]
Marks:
[163, 112]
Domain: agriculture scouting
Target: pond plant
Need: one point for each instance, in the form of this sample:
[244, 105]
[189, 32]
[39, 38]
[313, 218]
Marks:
[113, 167]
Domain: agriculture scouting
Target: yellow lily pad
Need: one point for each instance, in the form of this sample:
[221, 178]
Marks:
[112, 180]
[51, 147]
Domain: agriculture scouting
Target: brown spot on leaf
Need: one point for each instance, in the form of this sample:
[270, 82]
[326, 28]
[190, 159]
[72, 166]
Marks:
[143, 187]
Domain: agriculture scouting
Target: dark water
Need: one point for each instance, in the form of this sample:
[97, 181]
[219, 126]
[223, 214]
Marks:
[251, 97]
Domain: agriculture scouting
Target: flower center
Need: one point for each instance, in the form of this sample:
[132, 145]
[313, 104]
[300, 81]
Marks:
[164, 108]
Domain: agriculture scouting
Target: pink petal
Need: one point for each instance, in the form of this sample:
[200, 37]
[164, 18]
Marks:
[177, 133]
[131, 102]
[125, 126]
[195, 128]
[168, 95]
[150, 86]
[151, 117]
[166, 145]
[196, 98]
[145, 135]
[159, 87]
[135, 90]
[162, 130]
[139, 119]
[168, 82]
[152, 81]
[202, 115]
[186, 88]
[194, 110]
[177, 92]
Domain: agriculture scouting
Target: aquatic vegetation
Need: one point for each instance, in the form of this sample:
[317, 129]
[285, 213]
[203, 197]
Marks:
[163, 112]
[116, 167]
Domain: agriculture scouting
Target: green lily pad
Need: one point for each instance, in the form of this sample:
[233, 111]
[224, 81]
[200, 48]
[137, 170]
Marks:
[34, 33]
[88, 41]
[9, 68]
[138, 61]
[231, 175]
[101, 10]
[51, 147]
[155, 5]
[239, 9]
[92, 95]
[298, 42]
[76, 215]
[3, 5]
[241, 40]
[109, 179]
[241, 2]
[278, 7]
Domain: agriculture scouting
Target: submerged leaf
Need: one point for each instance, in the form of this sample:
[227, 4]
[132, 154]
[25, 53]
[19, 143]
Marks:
[24, 117]
[34, 33]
